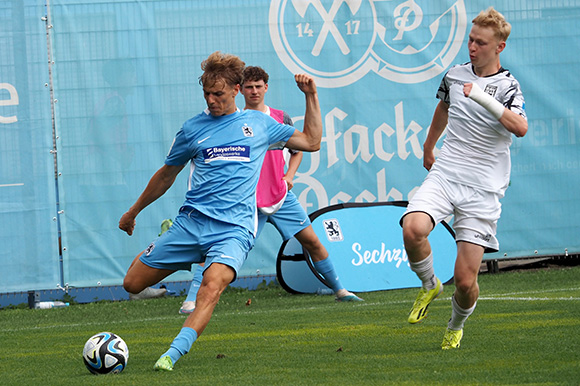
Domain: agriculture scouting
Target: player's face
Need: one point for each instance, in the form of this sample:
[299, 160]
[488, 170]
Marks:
[221, 98]
[484, 47]
[254, 92]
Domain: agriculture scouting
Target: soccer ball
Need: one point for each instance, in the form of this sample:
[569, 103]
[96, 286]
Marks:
[105, 353]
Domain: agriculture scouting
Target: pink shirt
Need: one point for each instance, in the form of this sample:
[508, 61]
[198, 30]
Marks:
[272, 189]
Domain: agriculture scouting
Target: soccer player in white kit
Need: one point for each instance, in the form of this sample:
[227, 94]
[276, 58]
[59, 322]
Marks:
[217, 223]
[482, 105]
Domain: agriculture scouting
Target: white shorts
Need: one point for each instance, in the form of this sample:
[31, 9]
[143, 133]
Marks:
[475, 211]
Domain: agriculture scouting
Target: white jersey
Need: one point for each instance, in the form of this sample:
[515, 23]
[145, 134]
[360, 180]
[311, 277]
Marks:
[475, 150]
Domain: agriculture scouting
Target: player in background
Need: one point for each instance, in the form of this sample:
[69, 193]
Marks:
[217, 222]
[482, 105]
[276, 203]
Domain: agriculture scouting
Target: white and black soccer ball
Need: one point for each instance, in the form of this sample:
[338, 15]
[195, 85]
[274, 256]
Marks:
[105, 353]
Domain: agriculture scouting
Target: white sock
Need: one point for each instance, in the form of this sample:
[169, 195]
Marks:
[425, 272]
[458, 315]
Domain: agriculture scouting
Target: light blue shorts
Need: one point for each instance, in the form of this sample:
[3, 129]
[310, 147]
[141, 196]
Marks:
[475, 211]
[288, 220]
[197, 238]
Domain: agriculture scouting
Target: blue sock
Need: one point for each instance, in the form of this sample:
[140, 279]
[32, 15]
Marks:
[326, 269]
[195, 284]
[181, 344]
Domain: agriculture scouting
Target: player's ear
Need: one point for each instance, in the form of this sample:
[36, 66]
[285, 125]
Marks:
[265, 87]
[500, 47]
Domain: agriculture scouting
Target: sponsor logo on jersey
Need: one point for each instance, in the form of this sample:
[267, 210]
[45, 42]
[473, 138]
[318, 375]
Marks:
[227, 153]
[332, 229]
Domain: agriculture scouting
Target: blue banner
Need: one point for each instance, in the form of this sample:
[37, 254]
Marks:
[92, 93]
[29, 239]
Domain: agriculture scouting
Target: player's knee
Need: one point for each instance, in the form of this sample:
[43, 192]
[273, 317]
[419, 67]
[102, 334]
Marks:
[130, 286]
[465, 284]
[413, 235]
[416, 228]
[210, 290]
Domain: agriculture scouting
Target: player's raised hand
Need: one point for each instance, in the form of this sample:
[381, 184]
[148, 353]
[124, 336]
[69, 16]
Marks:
[305, 83]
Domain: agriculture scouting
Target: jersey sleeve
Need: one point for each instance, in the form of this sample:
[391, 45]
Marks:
[287, 119]
[179, 152]
[514, 99]
[278, 133]
[443, 91]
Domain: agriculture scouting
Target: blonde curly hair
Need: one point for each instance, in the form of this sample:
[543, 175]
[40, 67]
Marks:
[493, 19]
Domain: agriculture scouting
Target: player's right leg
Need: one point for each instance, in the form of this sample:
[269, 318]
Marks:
[323, 265]
[416, 229]
[140, 276]
[292, 221]
[150, 292]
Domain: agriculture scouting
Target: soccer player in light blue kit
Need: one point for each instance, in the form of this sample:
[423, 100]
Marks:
[276, 203]
[218, 221]
[482, 106]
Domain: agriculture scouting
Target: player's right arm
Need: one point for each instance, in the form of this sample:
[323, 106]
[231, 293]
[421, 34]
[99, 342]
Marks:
[157, 186]
[438, 124]
[309, 139]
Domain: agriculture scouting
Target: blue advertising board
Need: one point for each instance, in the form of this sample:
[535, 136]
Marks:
[365, 244]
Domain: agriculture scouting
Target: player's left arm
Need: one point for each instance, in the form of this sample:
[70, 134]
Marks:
[513, 122]
[308, 139]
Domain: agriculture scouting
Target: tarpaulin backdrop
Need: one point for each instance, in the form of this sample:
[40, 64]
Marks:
[92, 93]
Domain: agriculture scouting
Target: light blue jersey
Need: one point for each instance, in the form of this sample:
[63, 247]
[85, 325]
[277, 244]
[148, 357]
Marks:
[226, 155]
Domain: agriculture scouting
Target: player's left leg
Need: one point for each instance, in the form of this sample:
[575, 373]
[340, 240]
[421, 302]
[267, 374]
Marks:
[469, 257]
[215, 280]
[225, 248]
[310, 241]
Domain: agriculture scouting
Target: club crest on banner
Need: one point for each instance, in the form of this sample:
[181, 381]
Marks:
[332, 229]
[339, 41]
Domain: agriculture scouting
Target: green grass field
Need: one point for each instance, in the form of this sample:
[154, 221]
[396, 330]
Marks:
[525, 330]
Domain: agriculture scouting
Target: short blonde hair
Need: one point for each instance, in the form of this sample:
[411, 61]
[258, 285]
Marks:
[493, 19]
[222, 67]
